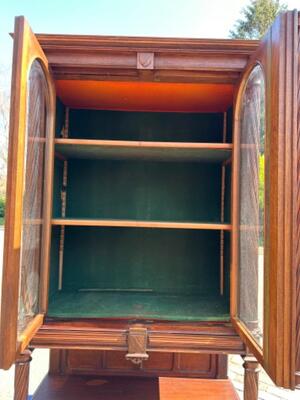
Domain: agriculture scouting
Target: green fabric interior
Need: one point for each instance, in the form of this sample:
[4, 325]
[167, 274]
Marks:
[133, 272]
[139, 305]
[227, 194]
[142, 190]
[57, 187]
[54, 260]
[229, 125]
[152, 126]
[127, 272]
[60, 117]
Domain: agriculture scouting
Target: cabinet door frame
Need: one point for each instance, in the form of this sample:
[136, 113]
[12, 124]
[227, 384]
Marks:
[26, 51]
[278, 57]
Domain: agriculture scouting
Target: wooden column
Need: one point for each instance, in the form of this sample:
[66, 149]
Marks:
[251, 375]
[22, 376]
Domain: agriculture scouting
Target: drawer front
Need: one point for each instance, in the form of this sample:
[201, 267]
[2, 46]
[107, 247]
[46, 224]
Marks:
[74, 362]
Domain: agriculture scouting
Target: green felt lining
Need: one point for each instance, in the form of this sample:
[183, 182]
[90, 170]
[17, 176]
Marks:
[57, 187]
[139, 273]
[176, 271]
[60, 117]
[162, 260]
[152, 126]
[229, 125]
[139, 305]
[227, 194]
[144, 190]
[54, 261]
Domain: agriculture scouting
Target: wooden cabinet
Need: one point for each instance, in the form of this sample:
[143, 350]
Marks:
[153, 202]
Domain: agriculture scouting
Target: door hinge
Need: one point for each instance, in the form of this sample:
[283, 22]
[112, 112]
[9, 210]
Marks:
[137, 344]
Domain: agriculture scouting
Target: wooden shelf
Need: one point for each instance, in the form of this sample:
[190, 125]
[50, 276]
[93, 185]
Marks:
[140, 224]
[125, 149]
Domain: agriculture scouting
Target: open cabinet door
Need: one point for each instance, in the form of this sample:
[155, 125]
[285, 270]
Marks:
[28, 210]
[265, 240]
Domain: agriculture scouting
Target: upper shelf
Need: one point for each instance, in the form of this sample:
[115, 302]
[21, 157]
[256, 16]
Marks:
[124, 223]
[124, 149]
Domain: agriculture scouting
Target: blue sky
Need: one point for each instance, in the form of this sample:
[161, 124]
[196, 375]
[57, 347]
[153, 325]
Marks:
[175, 18]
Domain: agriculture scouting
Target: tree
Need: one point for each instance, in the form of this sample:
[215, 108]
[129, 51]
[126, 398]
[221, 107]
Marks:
[4, 118]
[257, 17]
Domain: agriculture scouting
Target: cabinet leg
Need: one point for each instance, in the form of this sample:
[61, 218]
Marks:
[251, 375]
[22, 376]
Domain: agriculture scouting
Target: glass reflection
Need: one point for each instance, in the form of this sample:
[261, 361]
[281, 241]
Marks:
[252, 200]
[32, 196]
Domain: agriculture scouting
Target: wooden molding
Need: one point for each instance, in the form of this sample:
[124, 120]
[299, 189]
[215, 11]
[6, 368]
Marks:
[29, 332]
[121, 58]
[215, 338]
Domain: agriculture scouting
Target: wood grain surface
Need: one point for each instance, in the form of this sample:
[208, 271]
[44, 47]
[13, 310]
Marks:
[117, 388]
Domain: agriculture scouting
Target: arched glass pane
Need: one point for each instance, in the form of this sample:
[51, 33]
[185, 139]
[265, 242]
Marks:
[251, 191]
[33, 195]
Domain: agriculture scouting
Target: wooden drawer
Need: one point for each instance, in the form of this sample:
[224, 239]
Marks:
[74, 362]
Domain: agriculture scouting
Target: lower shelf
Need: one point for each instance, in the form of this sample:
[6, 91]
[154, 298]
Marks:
[121, 388]
[138, 305]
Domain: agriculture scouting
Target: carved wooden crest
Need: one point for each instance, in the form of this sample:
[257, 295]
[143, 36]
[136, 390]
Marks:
[145, 60]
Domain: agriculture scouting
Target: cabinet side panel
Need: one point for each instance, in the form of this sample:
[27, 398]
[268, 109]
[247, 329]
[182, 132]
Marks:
[298, 222]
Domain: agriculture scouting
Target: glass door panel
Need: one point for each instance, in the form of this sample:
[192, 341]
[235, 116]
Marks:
[264, 203]
[28, 206]
[34, 168]
[252, 199]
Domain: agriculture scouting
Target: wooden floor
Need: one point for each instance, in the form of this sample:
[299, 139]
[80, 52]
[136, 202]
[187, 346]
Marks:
[125, 388]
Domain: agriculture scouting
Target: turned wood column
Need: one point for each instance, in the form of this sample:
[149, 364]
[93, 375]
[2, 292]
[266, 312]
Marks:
[22, 375]
[251, 374]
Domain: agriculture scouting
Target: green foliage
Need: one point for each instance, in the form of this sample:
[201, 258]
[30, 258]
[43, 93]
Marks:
[2, 209]
[261, 181]
[261, 196]
[257, 17]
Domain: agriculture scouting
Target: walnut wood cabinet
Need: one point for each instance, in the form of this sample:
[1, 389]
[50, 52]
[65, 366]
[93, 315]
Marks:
[153, 202]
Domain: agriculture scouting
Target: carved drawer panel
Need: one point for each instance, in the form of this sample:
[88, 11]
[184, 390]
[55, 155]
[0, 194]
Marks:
[73, 362]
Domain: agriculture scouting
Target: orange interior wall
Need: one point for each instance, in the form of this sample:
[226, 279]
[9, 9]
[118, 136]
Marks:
[145, 96]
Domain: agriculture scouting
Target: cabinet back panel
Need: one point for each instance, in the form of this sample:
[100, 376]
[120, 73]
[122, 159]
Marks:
[160, 260]
[226, 255]
[227, 194]
[54, 261]
[57, 187]
[144, 190]
[139, 273]
[152, 126]
[60, 117]
[229, 125]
